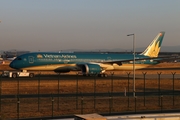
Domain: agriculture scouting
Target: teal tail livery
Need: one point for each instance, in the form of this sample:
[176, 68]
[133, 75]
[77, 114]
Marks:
[88, 63]
[153, 49]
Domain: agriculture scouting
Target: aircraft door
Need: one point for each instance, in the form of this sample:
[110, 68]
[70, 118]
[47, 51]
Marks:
[31, 59]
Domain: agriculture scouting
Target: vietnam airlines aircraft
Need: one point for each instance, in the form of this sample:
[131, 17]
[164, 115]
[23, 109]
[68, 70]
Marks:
[88, 63]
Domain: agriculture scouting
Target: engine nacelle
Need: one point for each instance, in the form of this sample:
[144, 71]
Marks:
[91, 69]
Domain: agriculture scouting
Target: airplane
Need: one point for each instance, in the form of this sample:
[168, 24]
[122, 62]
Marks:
[89, 63]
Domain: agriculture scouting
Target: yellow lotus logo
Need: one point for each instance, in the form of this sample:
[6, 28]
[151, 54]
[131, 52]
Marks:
[39, 56]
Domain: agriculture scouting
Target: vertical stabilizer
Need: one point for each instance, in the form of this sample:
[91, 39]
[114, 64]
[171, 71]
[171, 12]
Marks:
[154, 48]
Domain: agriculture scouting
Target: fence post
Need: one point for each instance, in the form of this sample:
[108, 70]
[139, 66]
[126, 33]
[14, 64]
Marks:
[173, 73]
[135, 103]
[159, 88]
[112, 85]
[39, 90]
[161, 103]
[112, 73]
[17, 86]
[110, 103]
[77, 90]
[18, 102]
[95, 90]
[58, 91]
[82, 102]
[125, 91]
[144, 74]
[128, 73]
[52, 100]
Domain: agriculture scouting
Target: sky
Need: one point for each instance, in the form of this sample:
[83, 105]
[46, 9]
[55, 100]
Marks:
[52, 25]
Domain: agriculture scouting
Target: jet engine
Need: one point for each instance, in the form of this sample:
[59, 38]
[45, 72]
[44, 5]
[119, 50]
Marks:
[91, 69]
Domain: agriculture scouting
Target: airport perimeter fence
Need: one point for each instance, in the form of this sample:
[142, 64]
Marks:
[57, 96]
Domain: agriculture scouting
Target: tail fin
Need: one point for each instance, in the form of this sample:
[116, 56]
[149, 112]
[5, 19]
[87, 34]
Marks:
[153, 49]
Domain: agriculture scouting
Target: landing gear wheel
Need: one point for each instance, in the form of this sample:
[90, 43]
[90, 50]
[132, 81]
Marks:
[105, 75]
[102, 75]
[84, 75]
[99, 75]
[14, 75]
[31, 75]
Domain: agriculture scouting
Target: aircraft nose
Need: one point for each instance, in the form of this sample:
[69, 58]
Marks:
[12, 65]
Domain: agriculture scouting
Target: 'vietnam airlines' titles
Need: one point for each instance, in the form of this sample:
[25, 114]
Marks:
[59, 56]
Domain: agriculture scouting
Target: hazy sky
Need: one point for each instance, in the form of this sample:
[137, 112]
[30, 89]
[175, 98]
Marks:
[49, 25]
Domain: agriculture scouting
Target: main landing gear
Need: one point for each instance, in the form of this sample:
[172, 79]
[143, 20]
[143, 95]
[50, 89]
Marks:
[102, 75]
[98, 75]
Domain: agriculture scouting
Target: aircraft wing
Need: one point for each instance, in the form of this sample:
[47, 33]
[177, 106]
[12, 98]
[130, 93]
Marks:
[157, 59]
[138, 59]
[168, 59]
[100, 67]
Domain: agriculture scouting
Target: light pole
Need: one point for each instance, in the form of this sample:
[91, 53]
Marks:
[134, 92]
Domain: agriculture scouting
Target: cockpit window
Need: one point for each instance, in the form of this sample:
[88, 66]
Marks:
[19, 59]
